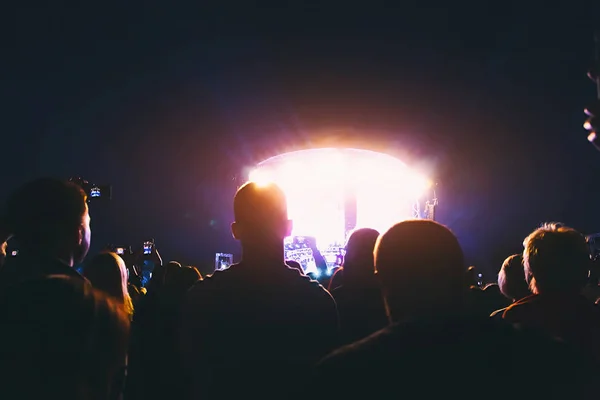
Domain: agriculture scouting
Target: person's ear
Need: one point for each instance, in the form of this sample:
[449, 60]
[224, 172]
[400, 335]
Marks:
[235, 230]
[80, 234]
[289, 228]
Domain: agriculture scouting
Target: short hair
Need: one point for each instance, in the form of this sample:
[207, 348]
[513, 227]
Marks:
[44, 210]
[556, 257]
[420, 253]
[511, 278]
[258, 205]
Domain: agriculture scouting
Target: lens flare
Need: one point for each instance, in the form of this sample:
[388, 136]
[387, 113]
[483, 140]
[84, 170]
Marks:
[319, 182]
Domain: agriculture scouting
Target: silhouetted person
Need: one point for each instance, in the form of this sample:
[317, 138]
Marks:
[185, 278]
[557, 259]
[61, 339]
[359, 299]
[162, 373]
[51, 225]
[512, 282]
[436, 348]
[171, 270]
[107, 272]
[255, 327]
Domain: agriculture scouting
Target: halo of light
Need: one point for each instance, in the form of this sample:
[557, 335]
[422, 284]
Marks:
[317, 183]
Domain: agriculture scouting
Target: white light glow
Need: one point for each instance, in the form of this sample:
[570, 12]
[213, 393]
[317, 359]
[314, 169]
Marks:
[317, 182]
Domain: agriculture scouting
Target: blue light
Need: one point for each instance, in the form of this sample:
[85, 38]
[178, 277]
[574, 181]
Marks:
[317, 274]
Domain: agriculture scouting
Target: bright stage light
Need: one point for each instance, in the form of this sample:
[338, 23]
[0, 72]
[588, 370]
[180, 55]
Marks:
[319, 182]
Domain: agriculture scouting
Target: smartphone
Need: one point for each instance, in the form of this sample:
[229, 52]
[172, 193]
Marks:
[148, 245]
[100, 192]
[95, 191]
[223, 261]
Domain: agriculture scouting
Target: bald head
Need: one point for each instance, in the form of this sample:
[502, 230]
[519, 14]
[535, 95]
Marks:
[416, 258]
[260, 213]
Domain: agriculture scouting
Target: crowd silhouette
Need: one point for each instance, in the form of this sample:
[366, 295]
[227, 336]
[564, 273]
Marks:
[403, 317]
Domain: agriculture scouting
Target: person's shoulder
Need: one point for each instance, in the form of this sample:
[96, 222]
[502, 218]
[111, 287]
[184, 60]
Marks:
[372, 346]
[311, 284]
[498, 313]
[520, 306]
[217, 281]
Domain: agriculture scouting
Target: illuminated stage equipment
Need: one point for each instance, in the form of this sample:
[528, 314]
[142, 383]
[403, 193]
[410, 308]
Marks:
[331, 192]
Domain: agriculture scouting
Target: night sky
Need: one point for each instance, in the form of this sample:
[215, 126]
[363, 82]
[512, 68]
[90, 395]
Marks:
[172, 105]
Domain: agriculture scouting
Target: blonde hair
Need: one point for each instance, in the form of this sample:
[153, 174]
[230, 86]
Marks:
[108, 273]
[555, 257]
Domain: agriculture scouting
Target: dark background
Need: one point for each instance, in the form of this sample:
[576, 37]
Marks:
[172, 103]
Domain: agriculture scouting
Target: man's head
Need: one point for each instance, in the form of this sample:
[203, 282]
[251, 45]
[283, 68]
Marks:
[421, 268]
[511, 278]
[50, 217]
[260, 216]
[557, 258]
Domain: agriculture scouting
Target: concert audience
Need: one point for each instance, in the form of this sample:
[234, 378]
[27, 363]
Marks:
[410, 321]
[557, 260]
[259, 324]
[61, 339]
[53, 235]
[359, 300]
[512, 282]
[435, 347]
[107, 272]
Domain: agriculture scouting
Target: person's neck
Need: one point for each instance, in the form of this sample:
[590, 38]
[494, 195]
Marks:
[263, 255]
[63, 256]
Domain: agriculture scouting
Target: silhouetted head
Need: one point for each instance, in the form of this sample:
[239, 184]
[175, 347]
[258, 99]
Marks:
[107, 272]
[557, 258]
[261, 220]
[420, 265]
[511, 278]
[189, 275]
[61, 338]
[50, 217]
[181, 279]
[171, 271]
[359, 260]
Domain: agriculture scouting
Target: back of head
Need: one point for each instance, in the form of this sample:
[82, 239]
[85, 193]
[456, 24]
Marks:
[420, 264]
[171, 271]
[187, 277]
[260, 214]
[107, 272]
[557, 258]
[181, 279]
[359, 260]
[511, 278]
[45, 213]
[60, 339]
